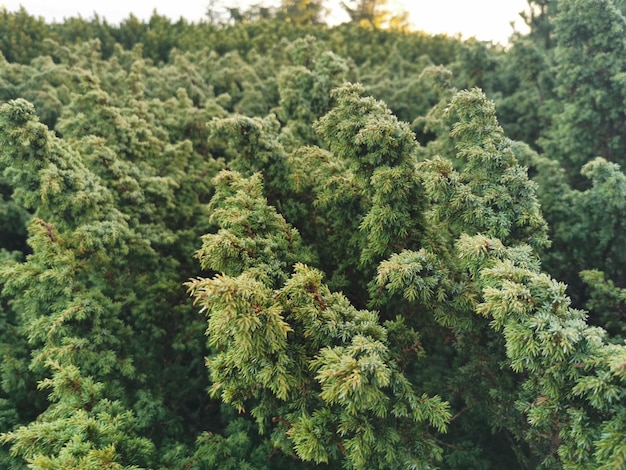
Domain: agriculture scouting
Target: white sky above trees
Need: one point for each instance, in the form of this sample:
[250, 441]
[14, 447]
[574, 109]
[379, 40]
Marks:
[488, 20]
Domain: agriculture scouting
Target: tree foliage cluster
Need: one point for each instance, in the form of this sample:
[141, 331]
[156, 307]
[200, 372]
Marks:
[267, 243]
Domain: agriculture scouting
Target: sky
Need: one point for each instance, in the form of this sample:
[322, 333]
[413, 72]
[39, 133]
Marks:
[488, 20]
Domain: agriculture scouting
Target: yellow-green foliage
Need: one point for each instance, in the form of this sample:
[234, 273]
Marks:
[260, 242]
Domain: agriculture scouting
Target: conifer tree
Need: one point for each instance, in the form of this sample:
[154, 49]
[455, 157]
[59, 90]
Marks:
[373, 146]
[589, 67]
[373, 14]
[436, 293]
[302, 12]
[372, 301]
[365, 177]
[313, 370]
[539, 18]
[573, 394]
[491, 194]
[305, 89]
[73, 327]
[153, 158]
[154, 187]
[22, 35]
[526, 90]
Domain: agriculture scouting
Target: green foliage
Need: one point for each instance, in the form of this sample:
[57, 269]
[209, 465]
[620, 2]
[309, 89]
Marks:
[606, 302]
[80, 429]
[525, 91]
[595, 237]
[302, 12]
[373, 14]
[233, 451]
[252, 235]
[491, 194]
[589, 71]
[539, 19]
[305, 88]
[573, 393]
[379, 152]
[585, 225]
[22, 35]
[375, 289]
[298, 355]
[70, 326]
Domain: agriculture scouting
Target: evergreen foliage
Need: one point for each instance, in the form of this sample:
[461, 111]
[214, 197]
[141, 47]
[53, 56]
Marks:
[589, 72]
[315, 372]
[378, 270]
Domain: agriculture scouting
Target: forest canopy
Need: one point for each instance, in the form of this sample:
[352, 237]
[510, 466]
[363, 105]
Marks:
[262, 242]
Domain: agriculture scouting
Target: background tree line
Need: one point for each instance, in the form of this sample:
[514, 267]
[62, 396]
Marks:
[262, 242]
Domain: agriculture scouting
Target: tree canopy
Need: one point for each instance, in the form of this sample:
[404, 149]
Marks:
[261, 242]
